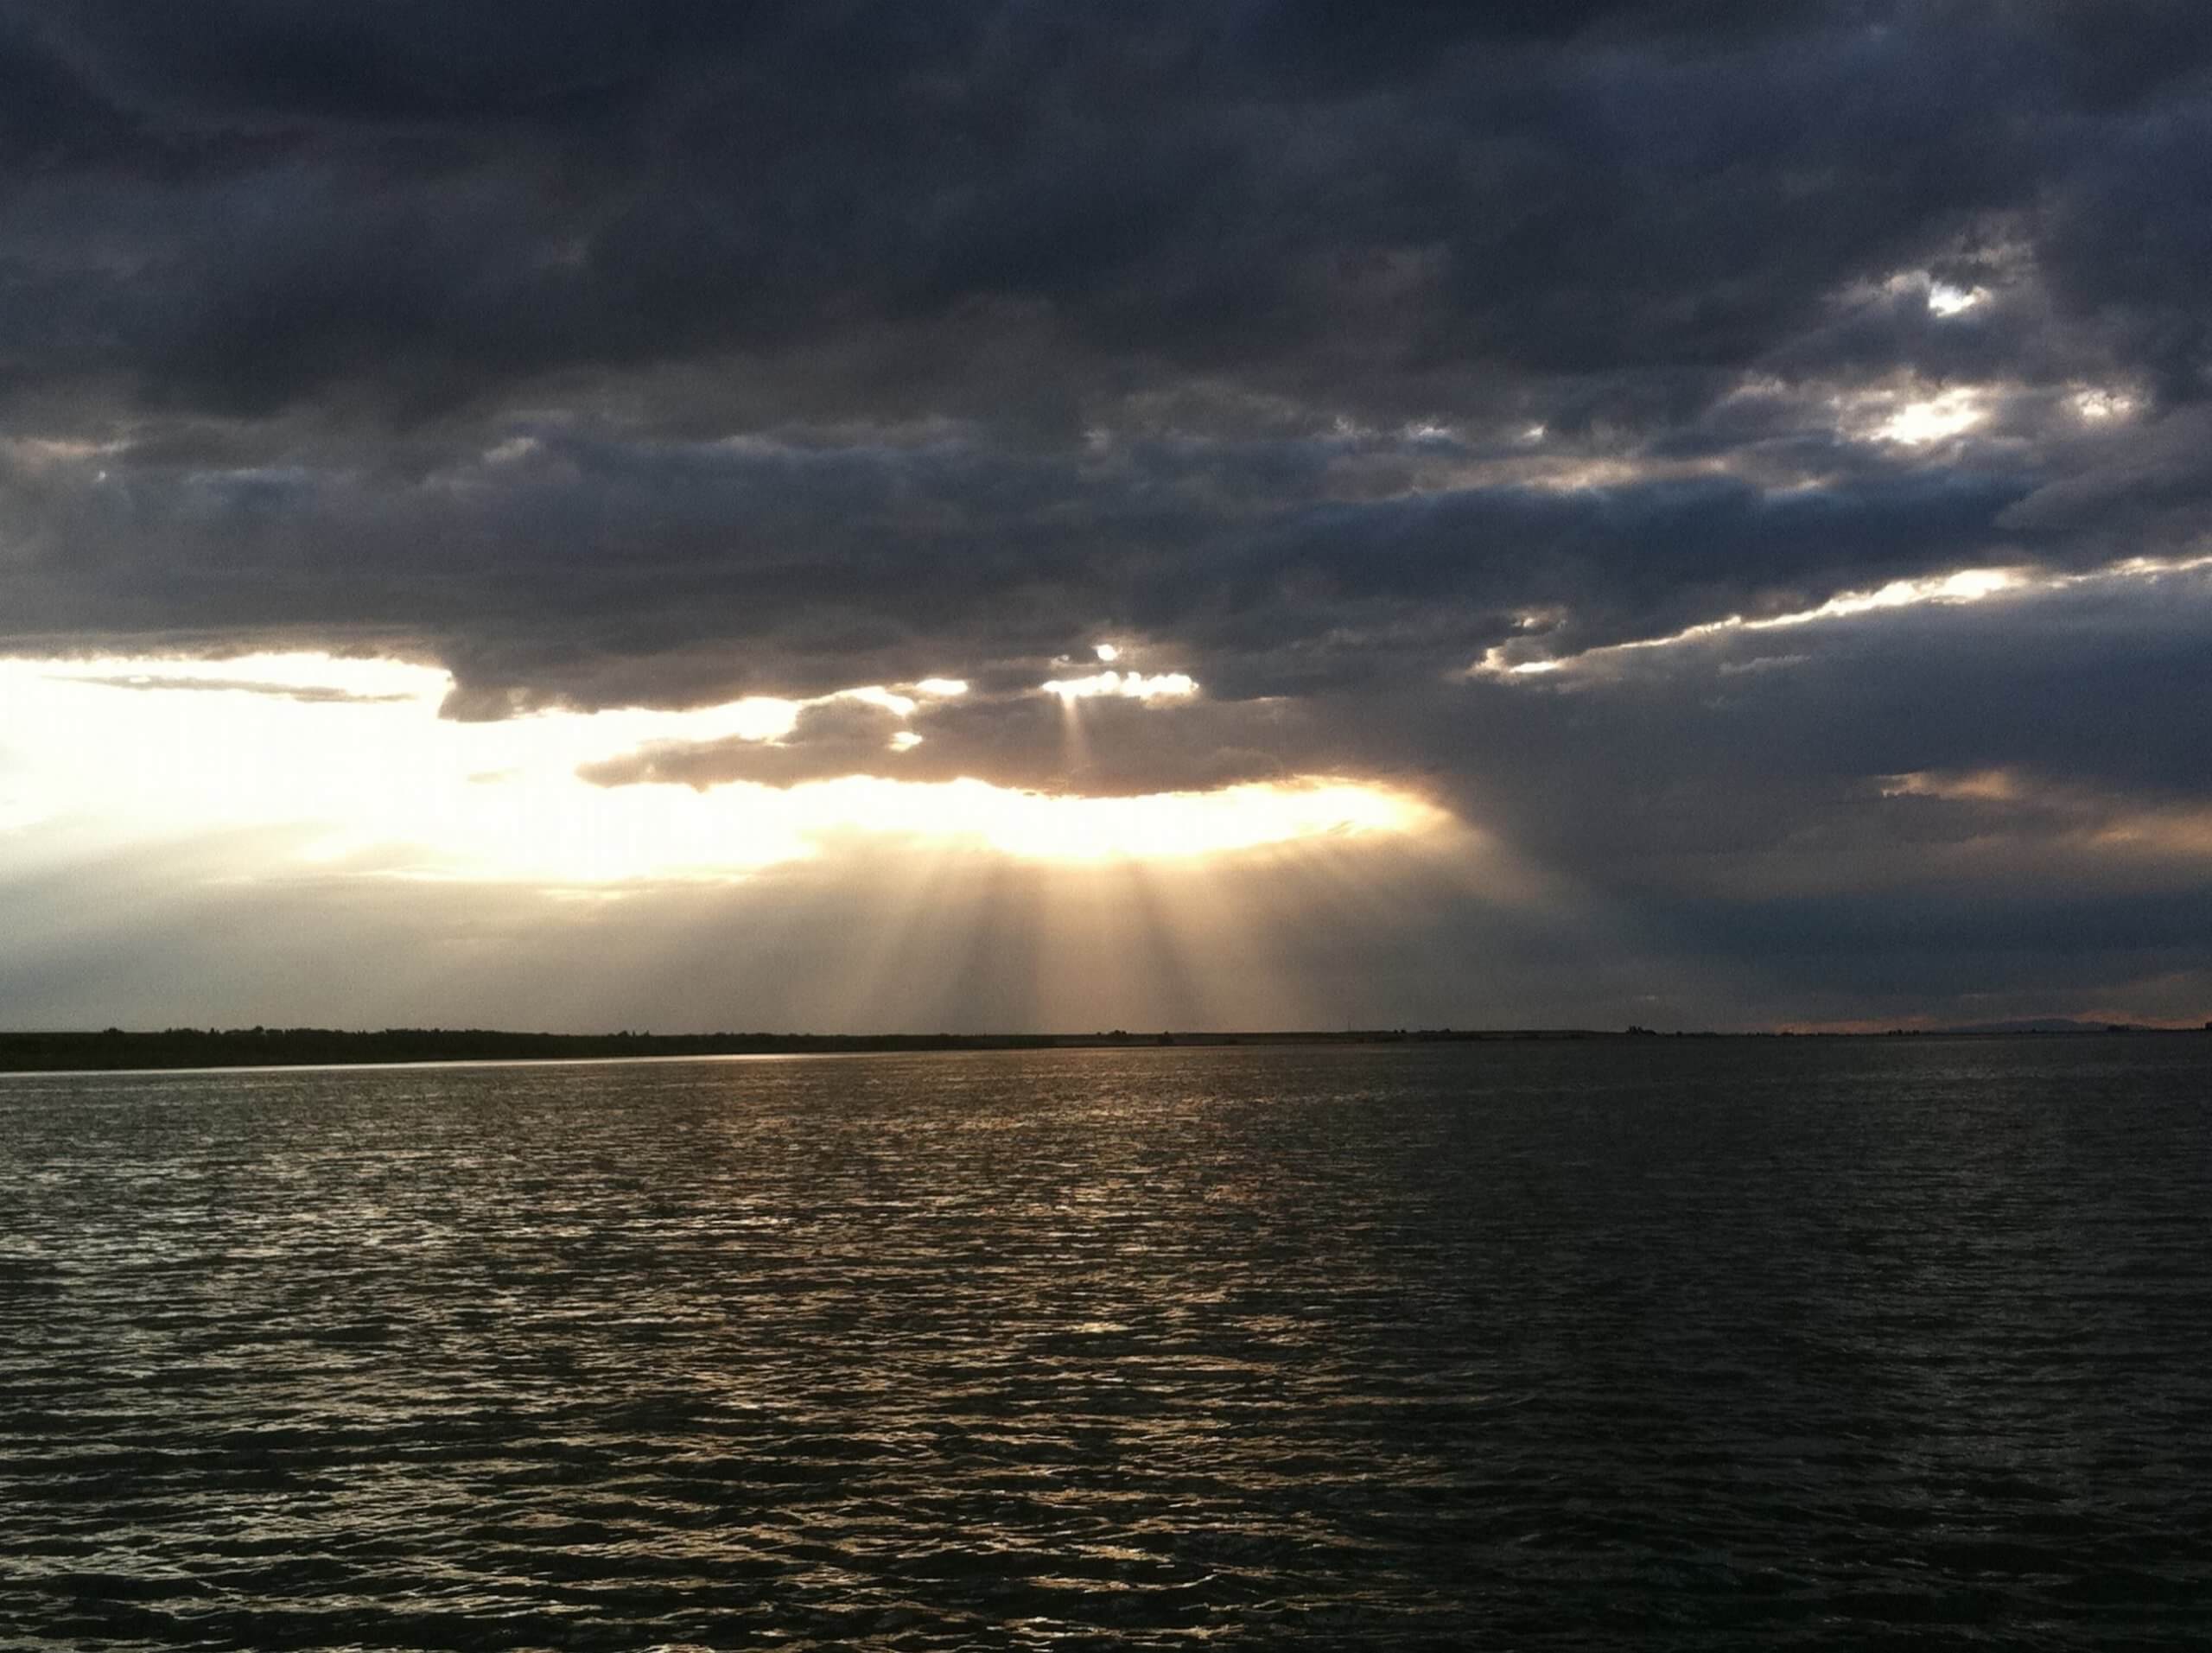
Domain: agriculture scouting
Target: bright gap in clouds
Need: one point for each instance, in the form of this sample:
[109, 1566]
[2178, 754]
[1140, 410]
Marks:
[347, 763]
[1126, 685]
[1908, 412]
[1947, 300]
[1931, 419]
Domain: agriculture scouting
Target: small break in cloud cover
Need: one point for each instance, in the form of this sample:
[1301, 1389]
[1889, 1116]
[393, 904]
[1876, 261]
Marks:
[988, 516]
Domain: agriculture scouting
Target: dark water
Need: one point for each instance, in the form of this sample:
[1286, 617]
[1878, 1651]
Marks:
[1671, 1346]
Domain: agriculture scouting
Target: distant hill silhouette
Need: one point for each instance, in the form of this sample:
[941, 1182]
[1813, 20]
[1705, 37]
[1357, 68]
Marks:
[196, 1047]
[211, 1047]
[2050, 1025]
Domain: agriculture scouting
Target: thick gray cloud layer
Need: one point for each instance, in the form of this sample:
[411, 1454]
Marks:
[659, 353]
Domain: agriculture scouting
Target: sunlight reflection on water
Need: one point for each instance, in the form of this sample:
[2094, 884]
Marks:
[1665, 1344]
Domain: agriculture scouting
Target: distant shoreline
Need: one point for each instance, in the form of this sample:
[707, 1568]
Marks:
[114, 1050]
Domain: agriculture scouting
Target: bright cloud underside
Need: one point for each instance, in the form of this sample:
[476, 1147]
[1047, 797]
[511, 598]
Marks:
[350, 760]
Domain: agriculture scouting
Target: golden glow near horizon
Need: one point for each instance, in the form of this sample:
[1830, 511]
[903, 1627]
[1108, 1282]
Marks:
[1980, 785]
[349, 763]
[1161, 826]
[2103, 822]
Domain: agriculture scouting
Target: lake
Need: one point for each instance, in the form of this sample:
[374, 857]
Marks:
[1662, 1344]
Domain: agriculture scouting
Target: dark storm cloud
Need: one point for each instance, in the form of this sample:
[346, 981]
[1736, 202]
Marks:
[600, 571]
[660, 353]
[831, 739]
[427, 205]
[1103, 747]
[2021, 752]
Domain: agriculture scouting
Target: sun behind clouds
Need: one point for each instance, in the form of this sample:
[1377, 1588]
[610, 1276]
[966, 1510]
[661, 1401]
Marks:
[350, 760]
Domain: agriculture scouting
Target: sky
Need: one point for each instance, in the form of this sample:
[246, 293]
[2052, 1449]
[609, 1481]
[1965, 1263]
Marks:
[1229, 513]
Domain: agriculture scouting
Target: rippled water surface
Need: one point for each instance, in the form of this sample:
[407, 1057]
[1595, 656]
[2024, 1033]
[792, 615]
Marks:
[1673, 1343]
